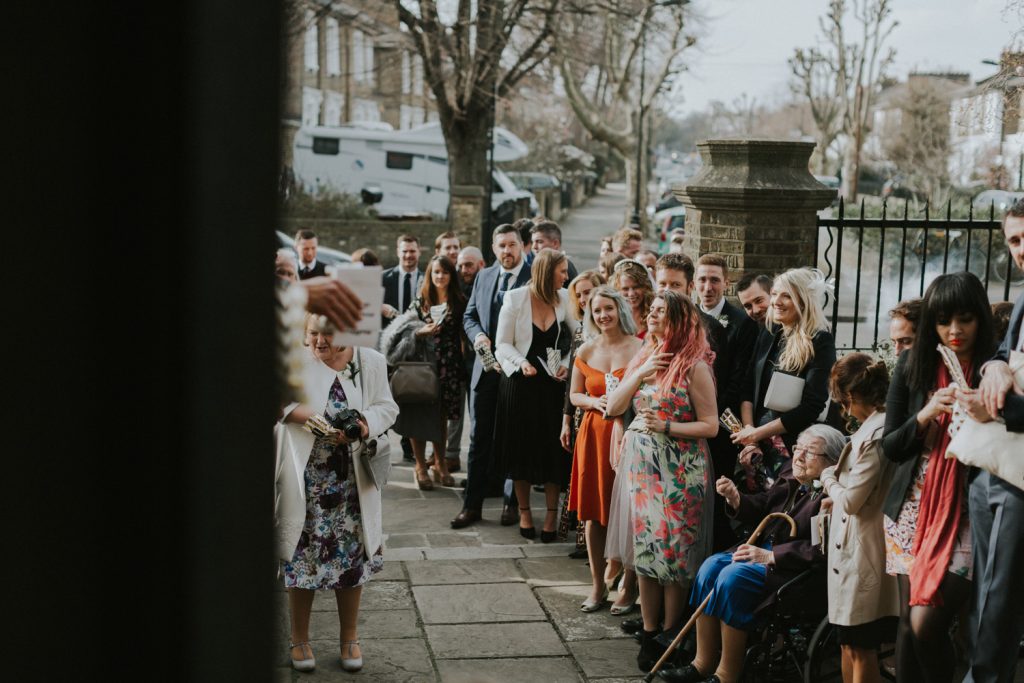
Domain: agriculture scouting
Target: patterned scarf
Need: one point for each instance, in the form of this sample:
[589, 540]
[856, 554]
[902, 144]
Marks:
[942, 500]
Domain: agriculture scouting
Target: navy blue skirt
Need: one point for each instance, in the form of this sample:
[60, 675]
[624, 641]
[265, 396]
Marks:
[739, 589]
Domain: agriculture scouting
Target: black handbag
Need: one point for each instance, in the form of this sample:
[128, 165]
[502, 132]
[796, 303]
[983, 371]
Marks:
[414, 382]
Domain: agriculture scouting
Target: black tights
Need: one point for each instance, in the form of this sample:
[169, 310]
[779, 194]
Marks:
[924, 650]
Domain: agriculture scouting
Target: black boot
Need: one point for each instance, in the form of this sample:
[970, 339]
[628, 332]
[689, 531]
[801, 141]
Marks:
[650, 650]
[631, 626]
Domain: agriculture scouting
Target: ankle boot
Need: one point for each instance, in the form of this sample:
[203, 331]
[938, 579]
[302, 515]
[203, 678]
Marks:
[650, 650]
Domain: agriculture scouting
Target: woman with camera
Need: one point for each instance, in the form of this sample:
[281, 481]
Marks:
[431, 330]
[327, 506]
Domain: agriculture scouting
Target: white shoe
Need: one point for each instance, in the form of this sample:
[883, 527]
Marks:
[352, 663]
[303, 664]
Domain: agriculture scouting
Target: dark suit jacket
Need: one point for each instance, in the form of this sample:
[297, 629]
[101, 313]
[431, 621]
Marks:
[319, 268]
[718, 339]
[390, 279]
[529, 256]
[741, 335]
[478, 318]
[792, 555]
[815, 375]
[1013, 410]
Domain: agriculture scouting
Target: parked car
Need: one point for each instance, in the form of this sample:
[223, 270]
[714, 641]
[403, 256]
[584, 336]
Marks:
[530, 180]
[666, 220]
[829, 181]
[324, 254]
[1000, 199]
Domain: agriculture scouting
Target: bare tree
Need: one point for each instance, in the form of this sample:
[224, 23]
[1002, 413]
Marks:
[479, 55]
[815, 81]
[599, 50]
[920, 145]
[856, 64]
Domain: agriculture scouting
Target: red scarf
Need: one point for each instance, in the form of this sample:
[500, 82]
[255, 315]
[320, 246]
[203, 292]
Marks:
[938, 517]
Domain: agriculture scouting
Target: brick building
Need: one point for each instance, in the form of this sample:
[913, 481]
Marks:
[350, 61]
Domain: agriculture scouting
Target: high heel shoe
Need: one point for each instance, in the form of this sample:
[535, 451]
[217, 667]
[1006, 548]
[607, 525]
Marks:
[302, 664]
[443, 478]
[619, 610]
[589, 605]
[549, 536]
[527, 532]
[423, 482]
[351, 663]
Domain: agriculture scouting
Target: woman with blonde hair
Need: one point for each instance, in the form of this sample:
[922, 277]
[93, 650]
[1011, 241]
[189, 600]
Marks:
[798, 345]
[535, 327]
[598, 367]
[632, 279]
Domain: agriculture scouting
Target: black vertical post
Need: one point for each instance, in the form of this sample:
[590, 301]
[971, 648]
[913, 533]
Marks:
[839, 266]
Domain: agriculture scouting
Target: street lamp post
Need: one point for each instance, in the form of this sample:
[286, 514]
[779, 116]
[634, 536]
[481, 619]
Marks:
[642, 111]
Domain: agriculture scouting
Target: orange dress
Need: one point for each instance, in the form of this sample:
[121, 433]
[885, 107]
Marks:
[590, 488]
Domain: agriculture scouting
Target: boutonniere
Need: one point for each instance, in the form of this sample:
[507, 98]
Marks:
[816, 488]
[724, 319]
[353, 370]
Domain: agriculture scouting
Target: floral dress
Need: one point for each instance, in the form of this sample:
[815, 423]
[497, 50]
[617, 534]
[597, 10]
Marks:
[451, 365]
[330, 553]
[671, 491]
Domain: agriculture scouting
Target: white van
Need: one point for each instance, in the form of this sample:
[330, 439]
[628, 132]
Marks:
[408, 169]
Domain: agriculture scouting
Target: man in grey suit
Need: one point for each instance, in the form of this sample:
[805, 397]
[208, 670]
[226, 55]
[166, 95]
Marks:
[481, 323]
[997, 507]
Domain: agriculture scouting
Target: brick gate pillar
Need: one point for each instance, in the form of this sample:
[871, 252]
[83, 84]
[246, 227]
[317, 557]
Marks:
[467, 214]
[755, 202]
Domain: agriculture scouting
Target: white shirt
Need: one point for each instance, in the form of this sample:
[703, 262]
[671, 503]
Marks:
[304, 266]
[717, 310]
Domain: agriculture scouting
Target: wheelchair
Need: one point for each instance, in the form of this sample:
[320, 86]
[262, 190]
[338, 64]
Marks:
[794, 641]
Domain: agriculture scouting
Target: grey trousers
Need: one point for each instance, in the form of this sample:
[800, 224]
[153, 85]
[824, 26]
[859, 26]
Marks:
[997, 618]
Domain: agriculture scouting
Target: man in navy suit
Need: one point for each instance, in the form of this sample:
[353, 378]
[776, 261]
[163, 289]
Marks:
[481, 323]
[997, 507]
[712, 279]
[402, 283]
[305, 247]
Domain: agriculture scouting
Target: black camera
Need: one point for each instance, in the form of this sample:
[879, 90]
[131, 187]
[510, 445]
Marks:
[347, 422]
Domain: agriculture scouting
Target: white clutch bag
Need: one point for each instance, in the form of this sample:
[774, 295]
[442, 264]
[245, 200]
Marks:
[784, 394]
[989, 445]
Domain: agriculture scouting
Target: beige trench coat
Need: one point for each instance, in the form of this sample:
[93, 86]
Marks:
[859, 589]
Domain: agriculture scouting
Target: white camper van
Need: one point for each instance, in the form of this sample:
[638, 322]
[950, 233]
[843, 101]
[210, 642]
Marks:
[408, 169]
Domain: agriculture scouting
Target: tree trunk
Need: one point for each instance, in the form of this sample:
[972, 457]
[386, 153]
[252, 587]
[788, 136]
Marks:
[850, 169]
[468, 146]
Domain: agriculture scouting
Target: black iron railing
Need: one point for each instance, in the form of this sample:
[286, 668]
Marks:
[898, 257]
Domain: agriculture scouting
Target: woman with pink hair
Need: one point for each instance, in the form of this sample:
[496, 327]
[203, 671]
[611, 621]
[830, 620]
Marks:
[672, 388]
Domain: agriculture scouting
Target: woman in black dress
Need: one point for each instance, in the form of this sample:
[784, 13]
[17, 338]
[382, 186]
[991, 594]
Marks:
[535, 328]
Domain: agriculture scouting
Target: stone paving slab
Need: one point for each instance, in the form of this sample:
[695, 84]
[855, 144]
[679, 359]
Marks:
[465, 641]
[396, 555]
[483, 552]
[563, 605]
[607, 658]
[394, 623]
[400, 660]
[549, 550]
[554, 669]
[377, 595]
[551, 571]
[465, 604]
[459, 571]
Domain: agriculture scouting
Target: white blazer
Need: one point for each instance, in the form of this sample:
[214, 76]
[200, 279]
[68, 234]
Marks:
[515, 328]
[370, 394]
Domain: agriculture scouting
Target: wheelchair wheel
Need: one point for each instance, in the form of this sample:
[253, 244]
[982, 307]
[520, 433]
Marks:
[823, 658]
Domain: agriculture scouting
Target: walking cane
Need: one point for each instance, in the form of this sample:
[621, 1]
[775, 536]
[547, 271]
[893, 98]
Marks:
[700, 608]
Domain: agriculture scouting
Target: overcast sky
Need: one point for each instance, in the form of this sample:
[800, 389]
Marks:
[748, 42]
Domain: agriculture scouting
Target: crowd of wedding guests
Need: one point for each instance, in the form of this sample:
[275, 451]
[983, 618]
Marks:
[665, 422]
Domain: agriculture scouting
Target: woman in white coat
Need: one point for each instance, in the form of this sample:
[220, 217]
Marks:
[863, 598]
[535, 328]
[327, 507]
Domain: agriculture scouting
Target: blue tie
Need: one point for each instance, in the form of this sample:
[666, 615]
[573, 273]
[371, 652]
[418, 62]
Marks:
[504, 287]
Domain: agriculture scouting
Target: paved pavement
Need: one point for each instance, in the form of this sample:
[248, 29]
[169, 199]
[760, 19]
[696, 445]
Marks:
[583, 228]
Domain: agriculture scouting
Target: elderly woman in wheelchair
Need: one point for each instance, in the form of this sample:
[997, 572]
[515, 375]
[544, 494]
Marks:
[743, 579]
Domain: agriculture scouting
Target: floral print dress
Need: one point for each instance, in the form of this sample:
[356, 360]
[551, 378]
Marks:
[671, 491]
[330, 553]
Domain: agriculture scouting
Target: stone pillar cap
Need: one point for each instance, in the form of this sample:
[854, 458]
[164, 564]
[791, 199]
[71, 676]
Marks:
[467, 190]
[754, 174]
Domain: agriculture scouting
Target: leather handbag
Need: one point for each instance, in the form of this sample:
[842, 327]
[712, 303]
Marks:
[989, 445]
[414, 382]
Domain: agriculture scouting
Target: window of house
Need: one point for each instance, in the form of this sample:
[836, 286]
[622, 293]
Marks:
[326, 145]
[399, 160]
[410, 116]
[362, 57]
[406, 74]
[311, 56]
[417, 74]
[365, 110]
[334, 104]
[333, 46]
[311, 100]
